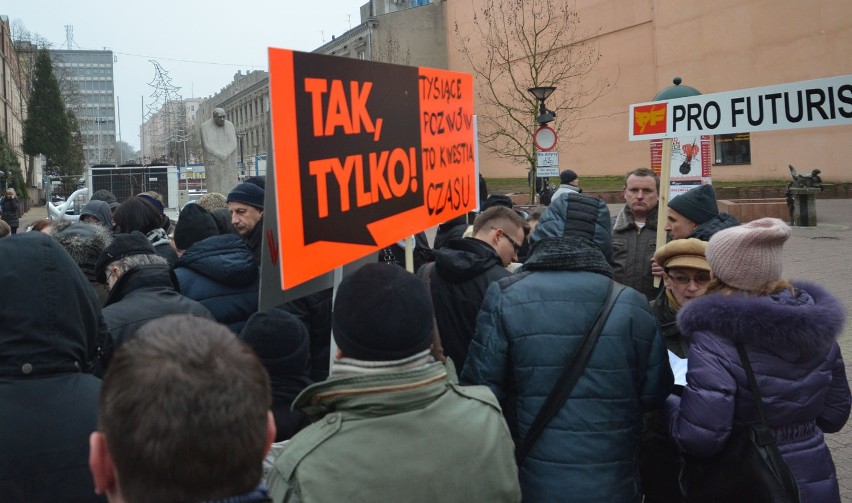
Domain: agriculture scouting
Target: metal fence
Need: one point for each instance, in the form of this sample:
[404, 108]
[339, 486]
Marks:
[126, 182]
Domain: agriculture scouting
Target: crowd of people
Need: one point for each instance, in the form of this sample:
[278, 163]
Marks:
[530, 357]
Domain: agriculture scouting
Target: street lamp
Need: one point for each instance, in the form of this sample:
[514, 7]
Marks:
[541, 93]
[241, 135]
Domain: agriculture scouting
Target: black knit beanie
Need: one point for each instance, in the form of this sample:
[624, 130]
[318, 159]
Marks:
[698, 204]
[382, 313]
[567, 176]
[247, 193]
[194, 224]
[280, 340]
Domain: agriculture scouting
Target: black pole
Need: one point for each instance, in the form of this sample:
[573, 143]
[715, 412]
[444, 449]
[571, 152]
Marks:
[242, 164]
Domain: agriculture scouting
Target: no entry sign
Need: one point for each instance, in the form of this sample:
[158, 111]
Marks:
[365, 154]
[811, 103]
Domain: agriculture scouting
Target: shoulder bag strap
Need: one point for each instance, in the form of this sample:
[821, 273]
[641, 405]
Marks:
[764, 437]
[569, 377]
[752, 382]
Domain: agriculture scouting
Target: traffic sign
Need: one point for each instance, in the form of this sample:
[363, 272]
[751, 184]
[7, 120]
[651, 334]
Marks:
[547, 159]
[545, 138]
[546, 172]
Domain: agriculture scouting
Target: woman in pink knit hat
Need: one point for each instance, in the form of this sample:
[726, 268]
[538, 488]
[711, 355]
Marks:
[789, 331]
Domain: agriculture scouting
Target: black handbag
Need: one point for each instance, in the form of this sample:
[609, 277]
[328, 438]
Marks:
[748, 469]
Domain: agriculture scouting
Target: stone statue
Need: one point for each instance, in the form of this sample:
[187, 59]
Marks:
[812, 180]
[219, 143]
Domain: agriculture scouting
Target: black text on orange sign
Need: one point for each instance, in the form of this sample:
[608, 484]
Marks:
[343, 115]
[385, 175]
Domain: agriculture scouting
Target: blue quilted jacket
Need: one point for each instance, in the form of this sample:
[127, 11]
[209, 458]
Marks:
[220, 272]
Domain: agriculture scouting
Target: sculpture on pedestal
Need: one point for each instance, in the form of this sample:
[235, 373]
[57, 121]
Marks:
[219, 144]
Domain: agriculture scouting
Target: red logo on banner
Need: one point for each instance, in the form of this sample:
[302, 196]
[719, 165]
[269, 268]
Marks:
[649, 119]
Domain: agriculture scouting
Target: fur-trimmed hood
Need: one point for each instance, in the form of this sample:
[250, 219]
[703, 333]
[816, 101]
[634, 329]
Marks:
[807, 322]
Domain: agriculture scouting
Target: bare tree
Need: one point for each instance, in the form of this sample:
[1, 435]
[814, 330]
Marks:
[513, 45]
[171, 125]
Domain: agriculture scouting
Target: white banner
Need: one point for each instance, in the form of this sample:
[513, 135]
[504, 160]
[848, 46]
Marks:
[811, 103]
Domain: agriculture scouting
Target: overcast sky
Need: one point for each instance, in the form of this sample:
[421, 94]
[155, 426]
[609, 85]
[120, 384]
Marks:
[201, 44]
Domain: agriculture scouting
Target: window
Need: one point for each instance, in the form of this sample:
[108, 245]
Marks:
[733, 148]
[362, 55]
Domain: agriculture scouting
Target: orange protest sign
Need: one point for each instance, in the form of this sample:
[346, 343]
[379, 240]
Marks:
[365, 154]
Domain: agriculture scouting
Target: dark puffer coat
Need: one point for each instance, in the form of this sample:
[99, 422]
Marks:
[791, 343]
[50, 337]
[528, 327]
[10, 210]
[461, 274]
[142, 294]
[706, 230]
[221, 273]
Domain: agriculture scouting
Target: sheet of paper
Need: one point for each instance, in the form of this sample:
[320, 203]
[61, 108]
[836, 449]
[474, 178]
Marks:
[678, 366]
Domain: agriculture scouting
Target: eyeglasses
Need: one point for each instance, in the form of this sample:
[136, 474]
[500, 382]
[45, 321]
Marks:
[515, 245]
[684, 279]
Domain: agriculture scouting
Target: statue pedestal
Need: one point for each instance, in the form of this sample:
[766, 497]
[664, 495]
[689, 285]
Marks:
[804, 206]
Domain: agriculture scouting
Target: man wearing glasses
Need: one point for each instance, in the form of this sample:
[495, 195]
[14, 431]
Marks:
[464, 268]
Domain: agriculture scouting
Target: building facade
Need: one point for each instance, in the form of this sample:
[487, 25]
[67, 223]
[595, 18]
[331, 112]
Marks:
[86, 81]
[14, 95]
[713, 47]
[402, 32]
[171, 133]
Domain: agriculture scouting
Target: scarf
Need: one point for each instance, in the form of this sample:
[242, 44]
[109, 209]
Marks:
[567, 253]
[673, 303]
[157, 237]
[349, 367]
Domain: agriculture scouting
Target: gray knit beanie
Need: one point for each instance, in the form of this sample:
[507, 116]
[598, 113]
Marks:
[698, 204]
[748, 256]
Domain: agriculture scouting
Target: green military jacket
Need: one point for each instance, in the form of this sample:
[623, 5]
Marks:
[410, 435]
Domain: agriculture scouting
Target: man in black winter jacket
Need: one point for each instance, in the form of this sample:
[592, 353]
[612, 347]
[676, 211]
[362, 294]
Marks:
[464, 269]
[52, 344]
[142, 287]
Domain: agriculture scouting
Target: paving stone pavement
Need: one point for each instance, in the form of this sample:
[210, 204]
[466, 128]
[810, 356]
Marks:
[821, 254]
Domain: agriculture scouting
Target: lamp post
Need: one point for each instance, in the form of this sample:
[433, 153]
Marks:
[541, 93]
[241, 135]
[256, 171]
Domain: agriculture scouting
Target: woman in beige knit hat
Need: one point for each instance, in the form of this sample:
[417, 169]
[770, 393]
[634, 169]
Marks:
[789, 332]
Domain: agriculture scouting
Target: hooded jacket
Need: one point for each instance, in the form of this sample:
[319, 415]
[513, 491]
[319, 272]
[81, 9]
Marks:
[144, 293]
[50, 339]
[791, 341]
[220, 272]
[529, 326]
[99, 210]
[462, 272]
